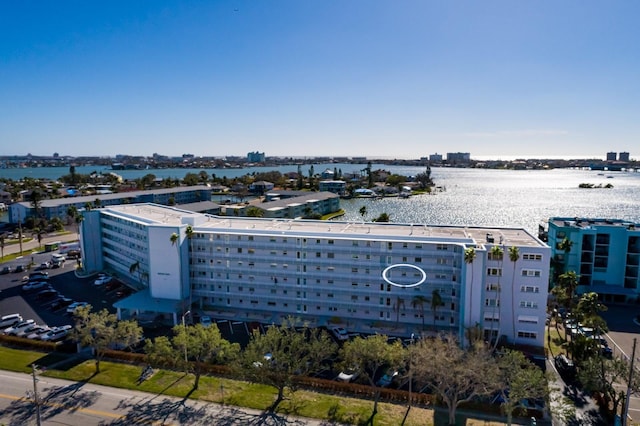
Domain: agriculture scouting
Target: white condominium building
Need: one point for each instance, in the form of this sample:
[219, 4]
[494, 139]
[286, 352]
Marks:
[396, 279]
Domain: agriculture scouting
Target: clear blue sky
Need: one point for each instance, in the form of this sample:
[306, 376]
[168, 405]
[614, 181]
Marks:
[399, 79]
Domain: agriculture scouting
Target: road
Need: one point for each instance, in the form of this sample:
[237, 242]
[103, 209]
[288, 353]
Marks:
[33, 244]
[71, 403]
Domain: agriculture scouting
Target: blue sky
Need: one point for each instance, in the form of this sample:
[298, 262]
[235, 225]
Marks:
[393, 79]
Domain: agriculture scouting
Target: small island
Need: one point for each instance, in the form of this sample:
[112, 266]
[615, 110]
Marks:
[593, 185]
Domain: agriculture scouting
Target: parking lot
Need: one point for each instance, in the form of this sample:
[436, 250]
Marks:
[40, 306]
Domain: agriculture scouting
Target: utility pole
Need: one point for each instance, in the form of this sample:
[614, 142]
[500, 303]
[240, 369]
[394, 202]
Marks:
[625, 413]
[36, 398]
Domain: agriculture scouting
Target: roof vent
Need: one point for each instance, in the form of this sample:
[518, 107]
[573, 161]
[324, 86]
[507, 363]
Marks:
[490, 238]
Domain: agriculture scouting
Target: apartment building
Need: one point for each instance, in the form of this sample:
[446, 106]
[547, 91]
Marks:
[371, 277]
[605, 253]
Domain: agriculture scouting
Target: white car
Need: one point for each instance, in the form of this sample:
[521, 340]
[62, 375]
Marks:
[75, 305]
[56, 333]
[35, 285]
[14, 329]
[38, 333]
[102, 280]
[205, 320]
[339, 333]
[33, 328]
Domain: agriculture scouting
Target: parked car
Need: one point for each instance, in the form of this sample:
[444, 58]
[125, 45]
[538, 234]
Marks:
[348, 375]
[205, 320]
[41, 275]
[75, 305]
[9, 320]
[60, 303]
[56, 333]
[19, 268]
[5, 270]
[102, 280]
[387, 378]
[35, 285]
[339, 333]
[47, 294]
[14, 329]
[39, 332]
[565, 366]
[28, 330]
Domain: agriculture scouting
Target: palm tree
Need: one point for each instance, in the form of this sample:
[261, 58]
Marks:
[436, 302]
[514, 256]
[2, 241]
[72, 212]
[497, 253]
[469, 257]
[135, 267]
[565, 245]
[399, 304]
[189, 233]
[38, 233]
[418, 303]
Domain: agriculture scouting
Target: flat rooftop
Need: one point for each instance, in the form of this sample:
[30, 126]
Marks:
[584, 222]
[152, 213]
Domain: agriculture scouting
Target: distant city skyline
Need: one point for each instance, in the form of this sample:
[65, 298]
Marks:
[381, 79]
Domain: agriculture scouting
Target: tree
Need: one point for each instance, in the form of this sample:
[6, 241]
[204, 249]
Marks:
[565, 290]
[424, 179]
[418, 302]
[2, 243]
[436, 302]
[190, 348]
[514, 256]
[606, 376]
[520, 379]
[36, 201]
[497, 253]
[469, 257]
[276, 357]
[384, 217]
[39, 233]
[102, 331]
[190, 179]
[363, 211]
[135, 268]
[72, 212]
[189, 234]
[565, 245]
[254, 211]
[97, 203]
[456, 375]
[367, 357]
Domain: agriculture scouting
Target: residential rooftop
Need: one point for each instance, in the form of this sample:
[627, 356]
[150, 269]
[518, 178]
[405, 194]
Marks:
[171, 216]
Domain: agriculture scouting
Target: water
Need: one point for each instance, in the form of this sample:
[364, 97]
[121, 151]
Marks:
[471, 196]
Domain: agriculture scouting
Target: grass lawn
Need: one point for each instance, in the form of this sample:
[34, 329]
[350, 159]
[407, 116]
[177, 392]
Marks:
[235, 392]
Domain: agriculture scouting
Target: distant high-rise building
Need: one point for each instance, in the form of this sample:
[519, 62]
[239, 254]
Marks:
[612, 156]
[458, 157]
[624, 156]
[255, 157]
[435, 158]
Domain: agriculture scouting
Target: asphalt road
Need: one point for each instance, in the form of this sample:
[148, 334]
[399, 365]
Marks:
[71, 403]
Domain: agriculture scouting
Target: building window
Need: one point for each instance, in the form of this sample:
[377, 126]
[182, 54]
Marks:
[530, 273]
[529, 289]
[493, 287]
[494, 272]
[492, 302]
[495, 256]
[529, 304]
[532, 256]
[527, 335]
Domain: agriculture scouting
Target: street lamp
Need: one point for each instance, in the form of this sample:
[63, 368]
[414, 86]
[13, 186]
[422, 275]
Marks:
[184, 326]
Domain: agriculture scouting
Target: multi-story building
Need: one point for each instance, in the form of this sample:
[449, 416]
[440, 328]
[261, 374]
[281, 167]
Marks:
[370, 277]
[605, 253]
[458, 157]
[57, 207]
[336, 186]
[612, 156]
[255, 157]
